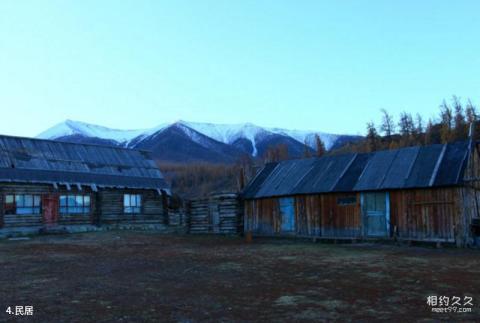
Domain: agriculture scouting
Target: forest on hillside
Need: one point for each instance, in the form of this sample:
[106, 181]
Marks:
[452, 123]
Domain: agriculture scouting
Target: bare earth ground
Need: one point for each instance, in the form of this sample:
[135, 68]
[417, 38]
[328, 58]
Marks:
[144, 276]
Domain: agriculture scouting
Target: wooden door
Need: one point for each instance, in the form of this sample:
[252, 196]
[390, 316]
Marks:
[287, 214]
[376, 213]
[215, 217]
[50, 209]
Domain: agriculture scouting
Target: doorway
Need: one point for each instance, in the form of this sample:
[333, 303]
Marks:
[287, 214]
[376, 210]
[50, 209]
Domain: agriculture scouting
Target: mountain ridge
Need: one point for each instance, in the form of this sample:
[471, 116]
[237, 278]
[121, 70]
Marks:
[197, 141]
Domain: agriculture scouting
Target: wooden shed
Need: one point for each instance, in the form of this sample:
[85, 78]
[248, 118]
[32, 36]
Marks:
[428, 193]
[51, 183]
[219, 213]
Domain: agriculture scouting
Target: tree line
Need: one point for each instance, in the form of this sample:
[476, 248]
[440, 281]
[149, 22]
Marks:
[451, 124]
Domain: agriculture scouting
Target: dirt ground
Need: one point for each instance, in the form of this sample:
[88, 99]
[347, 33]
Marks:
[144, 276]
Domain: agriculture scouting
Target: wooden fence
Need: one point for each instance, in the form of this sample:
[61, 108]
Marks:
[219, 213]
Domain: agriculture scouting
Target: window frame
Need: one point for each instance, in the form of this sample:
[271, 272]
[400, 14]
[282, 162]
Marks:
[347, 200]
[13, 207]
[135, 208]
[67, 209]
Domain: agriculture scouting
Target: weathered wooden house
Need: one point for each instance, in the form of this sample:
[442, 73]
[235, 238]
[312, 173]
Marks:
[49, 183]
[418, 193]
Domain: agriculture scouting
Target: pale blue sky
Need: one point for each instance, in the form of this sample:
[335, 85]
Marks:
[322, 65]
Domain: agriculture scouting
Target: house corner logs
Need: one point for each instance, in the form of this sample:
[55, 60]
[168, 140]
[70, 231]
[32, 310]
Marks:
[219, 213]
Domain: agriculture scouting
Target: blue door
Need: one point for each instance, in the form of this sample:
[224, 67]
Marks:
[287, 214]
[376, 210]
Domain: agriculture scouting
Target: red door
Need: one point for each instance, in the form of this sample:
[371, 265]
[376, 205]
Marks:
[50, 209]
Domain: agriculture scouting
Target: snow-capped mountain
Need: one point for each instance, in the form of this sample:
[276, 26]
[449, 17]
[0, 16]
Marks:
[77, 128]
[194, 141]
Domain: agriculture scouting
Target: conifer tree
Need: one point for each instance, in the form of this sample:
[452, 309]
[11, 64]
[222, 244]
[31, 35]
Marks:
[306, 150]
[460, 130]
[373, 138]
[388, 125]
[446, 122]
[320, 146]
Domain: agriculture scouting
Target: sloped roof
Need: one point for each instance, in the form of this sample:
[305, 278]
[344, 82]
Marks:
[53, 162]
[412, 167]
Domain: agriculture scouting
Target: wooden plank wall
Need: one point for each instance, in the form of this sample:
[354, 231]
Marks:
[219, 213]
[425, 214]
[470, 195]
[470, 207]
[333, 219]
[315, 215]
[262, 216]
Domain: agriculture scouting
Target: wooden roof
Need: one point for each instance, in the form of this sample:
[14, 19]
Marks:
[412, 167]
[45, 161]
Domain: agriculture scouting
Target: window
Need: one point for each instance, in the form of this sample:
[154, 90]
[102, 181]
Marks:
[347, 200]
[74, 204]
[132, 203]
[22, 204]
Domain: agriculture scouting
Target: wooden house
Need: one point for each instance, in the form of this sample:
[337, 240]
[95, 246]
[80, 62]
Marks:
[50, 183]
[426, 193]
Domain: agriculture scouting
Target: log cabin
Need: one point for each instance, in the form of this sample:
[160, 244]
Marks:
[428, 193]
[47, 184]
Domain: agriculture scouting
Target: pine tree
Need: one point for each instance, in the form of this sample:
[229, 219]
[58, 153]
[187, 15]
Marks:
[283, 153]
[428, 140]
[418, 129]
[471, 112]
[306, 150]
[320, 146]
[372, 137]
[406, 128]
[388, 124]
[460, 131]
[419, 123]
[446, 121]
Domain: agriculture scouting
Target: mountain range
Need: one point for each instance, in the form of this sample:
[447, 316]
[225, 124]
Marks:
[183, 141]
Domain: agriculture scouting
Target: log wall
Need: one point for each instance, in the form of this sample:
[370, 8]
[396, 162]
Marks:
[26, 220]
[219, 213]
[111, 211]
[106, 207]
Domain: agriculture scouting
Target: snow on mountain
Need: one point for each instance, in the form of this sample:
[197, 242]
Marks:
[70, 127]
[224, 133]
[308, 137]
[228, 133]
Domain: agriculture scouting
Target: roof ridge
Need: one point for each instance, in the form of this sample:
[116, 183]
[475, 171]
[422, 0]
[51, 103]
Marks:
[83, 173]
[410, 168]
[74, 143]
[437, 165]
